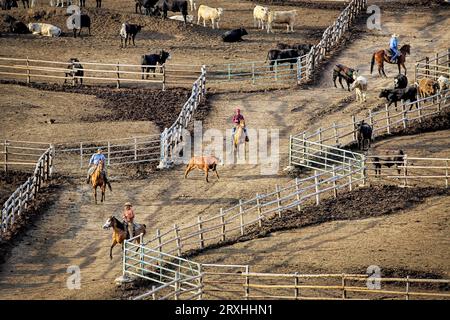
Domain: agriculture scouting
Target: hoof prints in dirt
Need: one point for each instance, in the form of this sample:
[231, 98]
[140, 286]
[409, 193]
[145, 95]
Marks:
[161, 107]
[359, 204]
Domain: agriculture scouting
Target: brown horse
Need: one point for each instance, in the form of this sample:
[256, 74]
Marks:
[120, 233]
[204, 163]
[98, 180]
[380, 57]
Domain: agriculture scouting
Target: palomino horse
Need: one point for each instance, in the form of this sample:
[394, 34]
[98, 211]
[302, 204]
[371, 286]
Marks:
[380, 57]
[204, 163]
[98, 180]
[120, 233]
[239, 137]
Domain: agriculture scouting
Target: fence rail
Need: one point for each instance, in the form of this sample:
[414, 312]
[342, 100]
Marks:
[17, 154]
[433, 67]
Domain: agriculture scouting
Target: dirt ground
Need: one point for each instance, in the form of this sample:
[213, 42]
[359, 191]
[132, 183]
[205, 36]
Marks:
[69, 232]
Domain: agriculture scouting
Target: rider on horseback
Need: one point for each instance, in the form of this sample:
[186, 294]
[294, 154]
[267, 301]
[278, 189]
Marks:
[237, 118]
[393, 45]
[93, 162]
[128, 219]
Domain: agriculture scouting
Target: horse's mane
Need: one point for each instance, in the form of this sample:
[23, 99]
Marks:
[119, 224]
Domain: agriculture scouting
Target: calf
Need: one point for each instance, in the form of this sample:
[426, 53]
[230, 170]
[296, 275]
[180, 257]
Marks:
[444, 84]
[342, 72]
[234, 35]
[128, 32]
[172, 5]
[203, 163]
[427, 87]
[395, 95]
[8, 4]
[400, 81]
[44, 29]
[388, 158]
[301, 48]
[260, 16]
[363, 133]
[16, 26]
[147, 4]
[85, 22]
[282, 56]
[360, 87]
[151, 60]
[287, 17]
[208, 13]
[77, 71]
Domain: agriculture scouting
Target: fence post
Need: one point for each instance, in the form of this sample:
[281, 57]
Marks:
[177, 239]
[222, 222]
[163, 77]
[334, 181]
[141, 255]
[28, 71]
[247, 283]
[316, 183]
[336, 134]
[407, 288]
[388, 120]
[344, 294]
[258, 208]
[350, 178]
[405, 169]
[200, 235]
[436, 68]
[158, 237]
[299, 70]
[81, 155]
[6, 156]
[118, 75]
[404, 115]
[296, 286]
[277, 189]
[200, 283]
[427, 66]
[415, 71]
[177, 285]
[297, 191]
[241, 217]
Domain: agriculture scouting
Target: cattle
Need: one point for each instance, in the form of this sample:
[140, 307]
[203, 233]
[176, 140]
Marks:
[163, 6]
[193, 5]
[82, 3]
[16, 26]
[8, 4]
[282, 56]
[60, 3]
[301, 48]
[388, 158]
[363, 133]
[260, 16]
[128, 32]
[208, 13]
[77, 71]
[146, 4]
[395, 95]
[44, 29]
[360, 87]
[444, 84]
[203, 163]
[427, 87]
[151, 60]
[400, 81]
[85, 22]
[234, 35]
[287, 17]
[343, 72]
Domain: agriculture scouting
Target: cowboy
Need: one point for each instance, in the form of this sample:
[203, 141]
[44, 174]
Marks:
[393, 45]
[128, 219]
[237, 118]
[93, 162]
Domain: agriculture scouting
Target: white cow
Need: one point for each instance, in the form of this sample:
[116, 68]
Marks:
[260, 16]
[360, 87]
[208, 13]
[44, 29]
[444, 83]
[193, 5]
[287, 17]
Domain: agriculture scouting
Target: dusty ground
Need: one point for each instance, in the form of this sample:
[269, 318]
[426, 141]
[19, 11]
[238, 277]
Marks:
[69, 232]
[9, 181]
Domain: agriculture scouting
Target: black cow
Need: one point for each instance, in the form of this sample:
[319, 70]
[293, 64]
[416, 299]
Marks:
[172, 5]
[75, 64]
[282, 56]
[27, 2]
[8, 4]
[129, 32]
[85, 22]
[301, 48]
[146, 4]
[388, 158]
[152, 60]
[82, 3]
[363, 133]
[99, 3]
[16, 26]
[234, 35]
[395, 95]
[400, 81]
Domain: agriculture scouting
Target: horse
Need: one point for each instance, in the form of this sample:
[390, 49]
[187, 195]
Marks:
[381, 56]
[120, 233]
[98, 180]
[204, 163]
[363, 133]
[388, 158]
[239, 136]
[343, 72]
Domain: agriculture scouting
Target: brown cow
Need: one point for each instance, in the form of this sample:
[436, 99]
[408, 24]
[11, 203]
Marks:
[204, 163]
[427, 87]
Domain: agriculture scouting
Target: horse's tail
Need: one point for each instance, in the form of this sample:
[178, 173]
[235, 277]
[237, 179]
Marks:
[372, 63]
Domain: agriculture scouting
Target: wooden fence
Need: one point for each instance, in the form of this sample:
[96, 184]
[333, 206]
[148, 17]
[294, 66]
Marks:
[118, 73]
[22, 154]
[433, 67]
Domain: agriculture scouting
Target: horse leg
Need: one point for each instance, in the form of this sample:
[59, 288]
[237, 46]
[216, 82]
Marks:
[110, 249]
[217, 174]
[103, 192]
[188, 169]
[206, 174]
[340, 81]
[95, 194]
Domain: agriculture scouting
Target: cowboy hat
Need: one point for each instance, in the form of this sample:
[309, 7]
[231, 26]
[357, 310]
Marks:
[99, 150]
[395, 35]
[127, 204]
